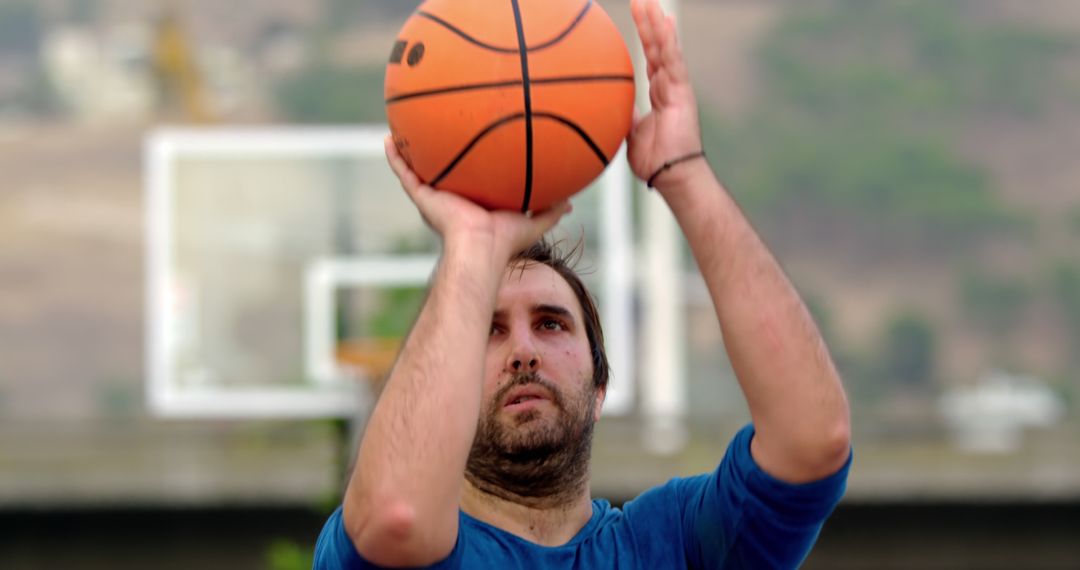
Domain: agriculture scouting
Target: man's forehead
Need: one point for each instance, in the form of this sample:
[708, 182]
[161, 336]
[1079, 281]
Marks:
[534, 285]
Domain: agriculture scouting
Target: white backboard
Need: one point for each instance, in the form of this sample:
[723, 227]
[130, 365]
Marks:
[269, 250]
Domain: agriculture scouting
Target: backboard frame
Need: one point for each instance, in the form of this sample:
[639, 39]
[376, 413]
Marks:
[328, 394]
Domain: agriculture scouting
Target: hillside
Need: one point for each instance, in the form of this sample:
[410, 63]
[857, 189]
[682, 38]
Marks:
[72, 269]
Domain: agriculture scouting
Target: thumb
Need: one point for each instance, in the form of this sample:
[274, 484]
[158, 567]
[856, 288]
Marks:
[540, 222]
[548, 218]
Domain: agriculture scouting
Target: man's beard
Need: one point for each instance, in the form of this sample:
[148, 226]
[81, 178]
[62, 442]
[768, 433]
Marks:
[539, 459]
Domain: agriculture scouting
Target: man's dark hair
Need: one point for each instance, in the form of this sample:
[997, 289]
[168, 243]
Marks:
[550, 254]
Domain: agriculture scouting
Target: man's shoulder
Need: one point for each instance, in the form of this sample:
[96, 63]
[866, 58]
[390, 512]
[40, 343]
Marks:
[669, 494]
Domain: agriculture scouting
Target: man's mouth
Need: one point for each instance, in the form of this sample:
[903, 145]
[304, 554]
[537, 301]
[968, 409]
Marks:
[524, 399]
[525, 396]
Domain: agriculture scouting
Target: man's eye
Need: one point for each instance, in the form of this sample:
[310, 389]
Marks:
[494, 330]
[551, 325]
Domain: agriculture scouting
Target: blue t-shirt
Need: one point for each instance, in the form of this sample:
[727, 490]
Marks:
[735, 517]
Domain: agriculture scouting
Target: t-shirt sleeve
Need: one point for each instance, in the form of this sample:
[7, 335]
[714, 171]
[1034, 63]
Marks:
[738, 516]
[741, 517]
[335, 550]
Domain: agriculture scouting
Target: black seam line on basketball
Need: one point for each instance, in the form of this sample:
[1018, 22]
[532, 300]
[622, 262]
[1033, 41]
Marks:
[472, 143]
[566, 32]
[454, 89]
[580, 78]
[580, 131]
[507, 119]
[465, 36]
[501, 84]
[462, 33]
[526, 90]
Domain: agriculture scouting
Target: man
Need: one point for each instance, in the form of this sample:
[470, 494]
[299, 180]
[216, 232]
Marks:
[476, 455]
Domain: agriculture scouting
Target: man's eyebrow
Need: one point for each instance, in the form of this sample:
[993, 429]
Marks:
[542, 308]
[556, 310]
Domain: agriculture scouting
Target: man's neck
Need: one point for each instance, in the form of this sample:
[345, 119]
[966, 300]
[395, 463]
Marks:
[547, 523]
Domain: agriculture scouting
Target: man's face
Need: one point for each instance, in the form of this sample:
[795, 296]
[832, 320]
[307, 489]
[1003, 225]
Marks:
[538, 394]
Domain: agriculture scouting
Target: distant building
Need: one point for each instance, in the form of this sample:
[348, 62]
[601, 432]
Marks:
[100, 79]
[990, 416]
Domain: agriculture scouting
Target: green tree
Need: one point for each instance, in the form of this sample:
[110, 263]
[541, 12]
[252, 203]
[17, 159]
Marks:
[20, 28]
[1072, 219]
[340, 15]
[860, 102]
[399, 308]
[993, 301]
[38, 96]
[909, 357]
[1066, 286]
[326, 93]
[287, 555]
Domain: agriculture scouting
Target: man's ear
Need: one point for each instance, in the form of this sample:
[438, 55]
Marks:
[601, 393]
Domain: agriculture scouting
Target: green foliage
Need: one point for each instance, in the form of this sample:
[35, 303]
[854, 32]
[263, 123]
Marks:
[992, 301]
[1066, 285]
[117, 399]
[892, 183]
[38, 96]
[859, 104]
[909, 354]
[917, 57]
[1073, 220]
[20, 29]
[399, 308]
[819, 310]
[341, 15]
[332, 94]
[84, 11]
[287, 555]
[856, 368]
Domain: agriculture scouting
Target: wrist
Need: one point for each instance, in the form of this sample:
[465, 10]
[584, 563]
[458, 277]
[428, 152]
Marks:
[478, 250]
[682, 173]
[470, 243]
[651, 181]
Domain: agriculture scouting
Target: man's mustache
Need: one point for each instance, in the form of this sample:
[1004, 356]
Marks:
[526, 378]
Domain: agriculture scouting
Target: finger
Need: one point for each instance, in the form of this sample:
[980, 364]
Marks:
[544, 221]
[671, 52]
[394, 158]
[652, 61]
[654, 20]
[646, 34]
[637, 12]
[641, 20]
[672, 78]
[658, 30]
[659, 88]
[409, 181]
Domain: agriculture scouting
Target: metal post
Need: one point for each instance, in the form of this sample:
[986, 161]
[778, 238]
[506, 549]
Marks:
[664, 375]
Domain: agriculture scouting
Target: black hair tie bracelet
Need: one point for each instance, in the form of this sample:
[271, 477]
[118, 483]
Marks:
[670, 163]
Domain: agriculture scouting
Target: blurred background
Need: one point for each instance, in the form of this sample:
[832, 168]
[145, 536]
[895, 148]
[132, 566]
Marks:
[914, 164]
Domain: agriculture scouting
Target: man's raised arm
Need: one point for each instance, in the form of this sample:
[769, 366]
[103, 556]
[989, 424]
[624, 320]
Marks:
[796, 399]
[401, 505]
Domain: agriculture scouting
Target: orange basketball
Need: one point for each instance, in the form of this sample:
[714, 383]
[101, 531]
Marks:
[514, 104]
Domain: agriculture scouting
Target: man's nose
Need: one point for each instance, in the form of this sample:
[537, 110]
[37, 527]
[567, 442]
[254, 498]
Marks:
[523, 355]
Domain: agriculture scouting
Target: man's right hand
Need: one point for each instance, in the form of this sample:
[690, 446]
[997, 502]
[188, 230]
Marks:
[459, 220]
